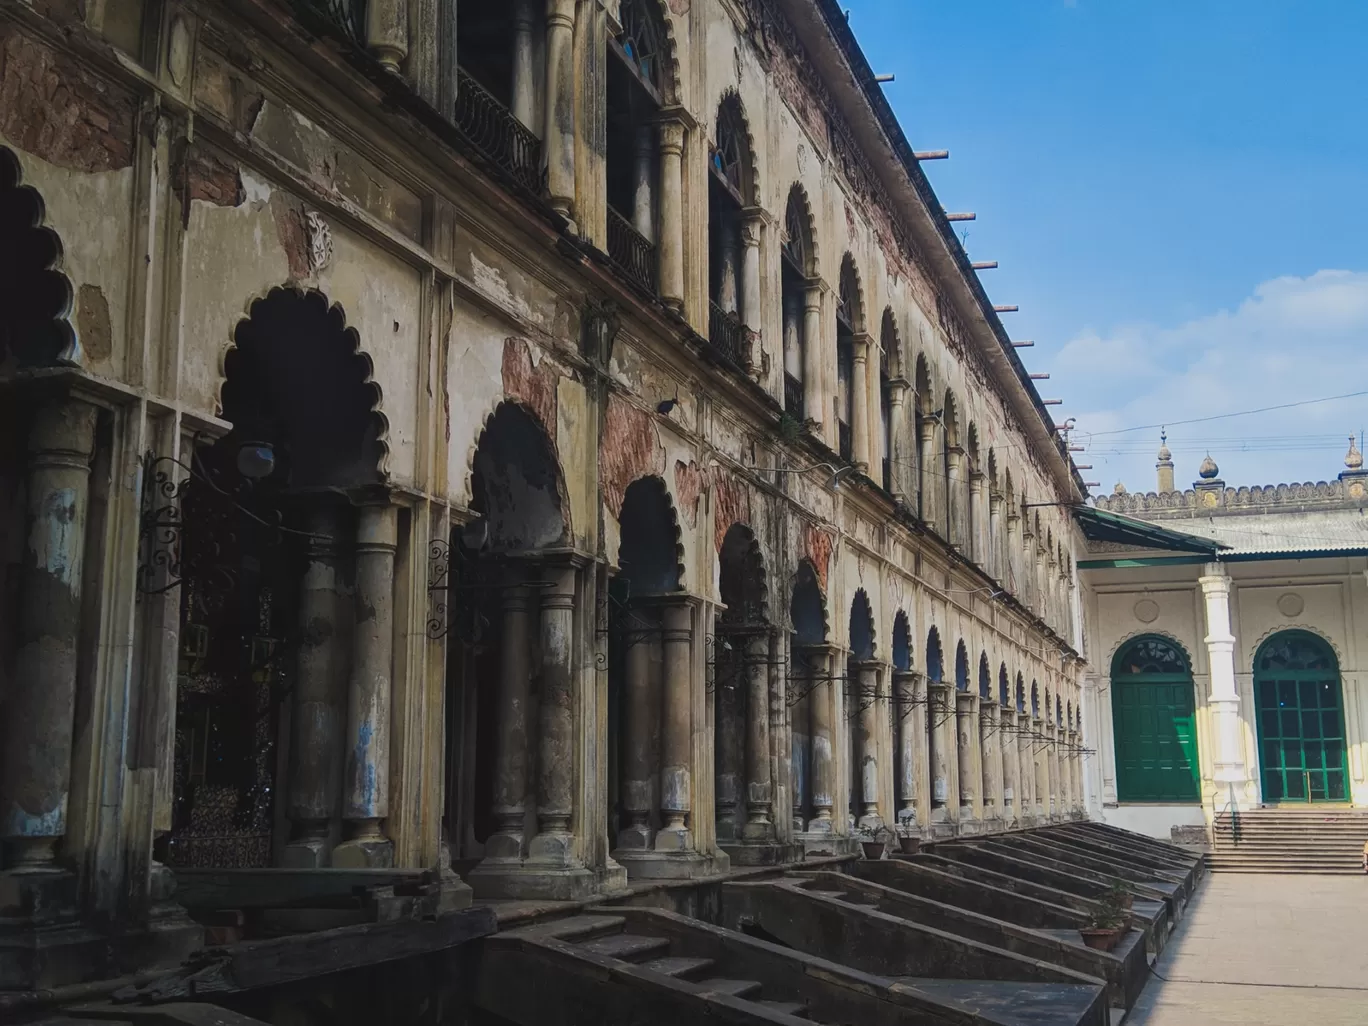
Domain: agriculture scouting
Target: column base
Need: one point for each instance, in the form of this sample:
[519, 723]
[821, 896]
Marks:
[510, 878]
[364, 853]
[872, 822]
[764, 853]
[824, 844]
[312, 853]
[669, 865]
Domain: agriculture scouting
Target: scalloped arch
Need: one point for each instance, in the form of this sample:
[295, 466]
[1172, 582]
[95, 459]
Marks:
[525, 410]
[890, 341]
[902, 639]
[329, 309]
[46, 284]
[741, 543]
[797, 193]
[662, 490]
[731, 96]
[801, 580]
[862, 616]
[671, 63]
[857, 297]
[1259, 643]
[1133, 635]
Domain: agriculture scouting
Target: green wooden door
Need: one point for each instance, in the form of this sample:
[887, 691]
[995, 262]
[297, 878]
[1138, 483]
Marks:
[1302, 752]
[1153, 720]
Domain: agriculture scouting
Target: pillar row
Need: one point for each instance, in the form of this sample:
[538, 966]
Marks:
[940, 733]
[990, 761]
[966, 734]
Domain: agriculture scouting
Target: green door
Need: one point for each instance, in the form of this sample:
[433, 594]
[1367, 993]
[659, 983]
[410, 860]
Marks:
[1153, 722]
[1301, 720]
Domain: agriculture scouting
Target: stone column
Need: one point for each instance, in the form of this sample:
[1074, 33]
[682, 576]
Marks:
[1039, 757]
[730, 753]
[676, 777]
[994, 553]
[387, 32]
[643, 192]
[859, 389]
[897, 414]
[672, 213]
[365, 797]
[1052, 769]
[513, 740]
[966, 732]
[927, 499]
[868, 743]
[940, 731]
[35, 758]
[822, 772]
[759, 787]
[1012, 557]
[1230, 774]
[752, 316]
[1076, 768]
[800, 740]
[641, 702]
[558, 138]
[905, 704]
[978, 490]
[814, 401]
[990, 758]
[523, 86]
[1025, 767]
[1066, 755]
[1011, 766]
[556, 761]
[317, 719]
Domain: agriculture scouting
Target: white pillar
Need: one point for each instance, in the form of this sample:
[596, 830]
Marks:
[558, 139]
[672, 213]
[1224, 699]
[524, 81]
[814, 403]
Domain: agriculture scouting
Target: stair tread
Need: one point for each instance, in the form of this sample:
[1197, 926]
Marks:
[736, 988]
[571, 928]
[678, 966]
[626, 946]
[794, 1008]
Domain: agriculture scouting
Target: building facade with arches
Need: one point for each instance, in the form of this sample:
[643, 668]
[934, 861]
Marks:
[549, 446]
[1225, 636]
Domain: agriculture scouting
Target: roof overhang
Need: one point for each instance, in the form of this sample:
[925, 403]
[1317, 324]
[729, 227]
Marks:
[1103, 525]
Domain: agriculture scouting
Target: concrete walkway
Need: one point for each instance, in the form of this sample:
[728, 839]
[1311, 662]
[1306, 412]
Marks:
[1265, 950]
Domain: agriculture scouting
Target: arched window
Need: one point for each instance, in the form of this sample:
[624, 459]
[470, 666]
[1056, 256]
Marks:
[951, 469]
[632, 158]
[1299, 705]
[922, 410]
[847, 311]
[888, 353]
[1153, 722]
[729, 193]
[795, 272]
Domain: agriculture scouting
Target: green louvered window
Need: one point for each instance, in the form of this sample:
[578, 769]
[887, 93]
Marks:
[1154, 723]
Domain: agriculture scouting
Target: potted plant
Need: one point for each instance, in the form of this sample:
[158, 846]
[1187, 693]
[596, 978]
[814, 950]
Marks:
[874, 843]
[1103, 929]
[909, 839]
[1119, 894]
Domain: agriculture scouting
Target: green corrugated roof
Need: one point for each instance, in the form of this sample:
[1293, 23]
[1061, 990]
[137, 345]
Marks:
[1103, 525]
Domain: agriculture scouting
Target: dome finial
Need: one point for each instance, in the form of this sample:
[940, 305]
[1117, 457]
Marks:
[1208, 469]
[1353, 459]
[1164, 454]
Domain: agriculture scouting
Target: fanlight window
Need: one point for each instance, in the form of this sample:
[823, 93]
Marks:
[1151, 655]
[795, 245]
[845, 300]
[1296, 652]
[640, 40]
[726, 156]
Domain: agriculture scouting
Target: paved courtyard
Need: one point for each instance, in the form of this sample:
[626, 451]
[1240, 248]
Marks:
[1259, 950]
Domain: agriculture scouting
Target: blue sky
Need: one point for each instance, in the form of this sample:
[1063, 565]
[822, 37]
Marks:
[1177, 193]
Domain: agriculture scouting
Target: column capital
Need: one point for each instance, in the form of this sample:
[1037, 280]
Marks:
[676, 116]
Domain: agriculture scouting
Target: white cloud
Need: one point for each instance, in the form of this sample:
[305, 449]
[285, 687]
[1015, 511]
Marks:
[1291, 339]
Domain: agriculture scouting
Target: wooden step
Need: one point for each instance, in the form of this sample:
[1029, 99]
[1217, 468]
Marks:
[736, 988]
[626, 947]
[794, 1008]
[679, 968]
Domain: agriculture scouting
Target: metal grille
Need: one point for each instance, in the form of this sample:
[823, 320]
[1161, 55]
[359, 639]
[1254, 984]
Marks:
[793, 396]
[346, 16]
[631, 251]
[493, 130]
[726, 333]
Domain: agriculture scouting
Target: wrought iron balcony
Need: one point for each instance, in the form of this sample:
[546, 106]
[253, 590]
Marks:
[843, 436]
[793, 396]
[727, 334]
[493, 130]
[346, 17]
[632, 252]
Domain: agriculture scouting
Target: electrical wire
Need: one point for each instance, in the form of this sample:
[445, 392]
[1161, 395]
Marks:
[1226, 416]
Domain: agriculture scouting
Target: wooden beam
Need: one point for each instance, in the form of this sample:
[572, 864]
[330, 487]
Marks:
[1040, 377]
[984, 265]
[932, 154]
[961, 217]
[1013, 308]
[1053, 402]
[1083, 466]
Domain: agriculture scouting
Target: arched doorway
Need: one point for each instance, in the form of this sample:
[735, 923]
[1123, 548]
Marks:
[863, 693]
[811, 700]
[1153, 722]
[1302, 751]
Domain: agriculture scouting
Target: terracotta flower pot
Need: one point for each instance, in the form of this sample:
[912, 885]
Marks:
[873, 850]
[909, 845]
[1100, 939]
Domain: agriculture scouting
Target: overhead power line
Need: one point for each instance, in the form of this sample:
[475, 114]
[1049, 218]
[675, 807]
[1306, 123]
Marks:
[1225, 416]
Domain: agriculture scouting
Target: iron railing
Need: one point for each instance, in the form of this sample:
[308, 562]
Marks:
[727, 334]
[793, 396]
[493, 130]
[632, 252]
[843, 436]
[347, 17]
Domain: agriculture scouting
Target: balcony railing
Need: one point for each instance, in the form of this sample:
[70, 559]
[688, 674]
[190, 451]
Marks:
[632, 252]
[727, 334]
[843, 440]
[793, 396]
[347, 17]
[493, 130]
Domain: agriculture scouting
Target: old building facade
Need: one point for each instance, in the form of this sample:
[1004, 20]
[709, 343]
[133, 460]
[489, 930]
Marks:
[553, 444]
[1225, 647]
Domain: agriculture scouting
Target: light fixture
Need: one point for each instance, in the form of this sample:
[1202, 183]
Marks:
[256, 460]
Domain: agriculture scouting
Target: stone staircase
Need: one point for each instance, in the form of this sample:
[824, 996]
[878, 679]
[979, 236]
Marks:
[1289, 840]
